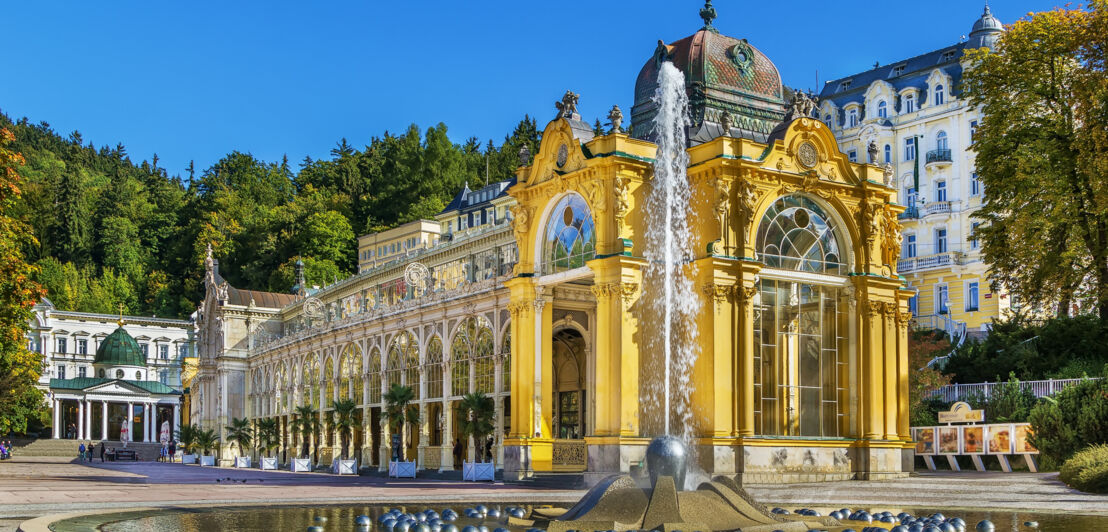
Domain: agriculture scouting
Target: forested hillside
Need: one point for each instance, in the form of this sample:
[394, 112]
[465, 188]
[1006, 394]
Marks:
[115, 232]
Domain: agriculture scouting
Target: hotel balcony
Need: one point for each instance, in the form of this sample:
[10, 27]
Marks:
[938, 158]
[936, 207]
[911, 213]
[929, 262]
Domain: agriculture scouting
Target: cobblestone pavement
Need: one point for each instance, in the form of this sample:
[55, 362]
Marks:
[31, 487]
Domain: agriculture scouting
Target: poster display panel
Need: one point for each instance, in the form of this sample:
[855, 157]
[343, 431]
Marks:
[973, 439]
[1000, 439]
[948, 440]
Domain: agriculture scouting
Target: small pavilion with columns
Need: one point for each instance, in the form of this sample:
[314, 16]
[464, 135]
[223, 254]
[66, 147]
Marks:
[117, 401]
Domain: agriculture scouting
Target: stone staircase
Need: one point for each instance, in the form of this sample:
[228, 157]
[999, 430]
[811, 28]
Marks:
[68, 448]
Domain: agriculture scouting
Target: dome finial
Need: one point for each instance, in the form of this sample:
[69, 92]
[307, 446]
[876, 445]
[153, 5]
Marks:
[120, 321]
[708, 13]
[987, 11]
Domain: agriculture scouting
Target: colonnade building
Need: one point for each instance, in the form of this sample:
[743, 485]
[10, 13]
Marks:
[800, 368]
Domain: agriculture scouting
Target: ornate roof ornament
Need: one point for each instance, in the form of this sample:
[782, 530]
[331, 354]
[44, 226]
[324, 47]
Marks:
[524, 155]
[209, 262]
[615, 117]
[803, 106]
[567, 108]
[708, 13]
[725, 122]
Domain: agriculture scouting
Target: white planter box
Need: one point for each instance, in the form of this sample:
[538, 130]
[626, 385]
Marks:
[301, 465]
[269, 464]
[242, 461]
[478, 471]
[345, 467]
[402, 469]
[207, 460]
[188, 458]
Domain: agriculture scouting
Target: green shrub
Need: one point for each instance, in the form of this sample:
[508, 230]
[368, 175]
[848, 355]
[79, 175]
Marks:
[1071, 420]
[1087, 470]
[1058, 347]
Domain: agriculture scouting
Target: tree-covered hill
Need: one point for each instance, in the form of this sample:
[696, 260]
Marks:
[115, 232]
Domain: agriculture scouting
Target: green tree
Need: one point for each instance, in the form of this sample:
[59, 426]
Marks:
[328, 236]
[20, 401]
[269, 434]
[306, 424]
[1042, 156]
[401, 412]
[206, 440]
[186, 437]
[345, 421]
[239, 433]
[476, 411]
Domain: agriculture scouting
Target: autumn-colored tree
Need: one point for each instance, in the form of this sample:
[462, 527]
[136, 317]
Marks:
[1042, 156]
[923, 347]
[20, 401]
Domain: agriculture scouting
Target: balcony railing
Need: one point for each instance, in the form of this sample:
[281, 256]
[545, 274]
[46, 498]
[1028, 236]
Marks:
[937, 207]
[938, 156]
[910, 213]
[927, 262]
[961, 392]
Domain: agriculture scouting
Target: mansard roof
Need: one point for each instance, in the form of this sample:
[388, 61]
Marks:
[914, 74]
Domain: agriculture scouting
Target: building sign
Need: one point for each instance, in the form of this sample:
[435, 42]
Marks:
[961, 412]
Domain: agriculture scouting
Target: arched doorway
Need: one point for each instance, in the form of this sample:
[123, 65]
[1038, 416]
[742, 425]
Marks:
[569, 384]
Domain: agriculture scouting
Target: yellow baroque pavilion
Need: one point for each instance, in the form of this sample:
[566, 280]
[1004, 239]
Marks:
[801, 369]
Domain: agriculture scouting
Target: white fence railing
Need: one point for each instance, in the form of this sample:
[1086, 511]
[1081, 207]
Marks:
[960, 392]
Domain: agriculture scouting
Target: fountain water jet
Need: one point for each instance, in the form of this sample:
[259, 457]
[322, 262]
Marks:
[668, 249]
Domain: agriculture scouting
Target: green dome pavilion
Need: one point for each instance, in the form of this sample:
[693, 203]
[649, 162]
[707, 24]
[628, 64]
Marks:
[119, 349]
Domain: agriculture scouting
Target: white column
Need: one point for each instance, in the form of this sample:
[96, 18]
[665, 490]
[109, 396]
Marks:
[176, 420]
[57, 418]
[80, 419]
[88, 419]
[130, 418]
[103, 420]
[145, 422]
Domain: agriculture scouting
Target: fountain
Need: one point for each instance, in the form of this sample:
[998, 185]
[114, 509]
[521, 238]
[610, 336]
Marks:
[668, 251]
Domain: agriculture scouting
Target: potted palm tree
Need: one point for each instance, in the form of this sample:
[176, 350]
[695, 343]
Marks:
[240, 434]
[476, 411]
[269, 435]
[343, 419]
[186, 438]
[306, 424]
[401, 413]
[206, 441]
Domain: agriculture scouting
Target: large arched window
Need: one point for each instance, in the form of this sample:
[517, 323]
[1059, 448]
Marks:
[882, 109]
[570, 237]
[802, 354]
[940, 95]
[941, 142]
[434, 368]
[471, 353]
[403, 351]
[795, 234]
[506, 365]
[346, 369]
[328, 382]
[373, 376]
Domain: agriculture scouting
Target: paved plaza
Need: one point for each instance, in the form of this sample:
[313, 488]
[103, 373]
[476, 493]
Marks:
[31, 487]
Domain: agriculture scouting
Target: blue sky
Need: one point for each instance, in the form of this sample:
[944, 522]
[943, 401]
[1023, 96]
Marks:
[196, 80]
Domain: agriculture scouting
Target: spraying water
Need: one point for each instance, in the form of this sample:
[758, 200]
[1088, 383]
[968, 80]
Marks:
[668, 251]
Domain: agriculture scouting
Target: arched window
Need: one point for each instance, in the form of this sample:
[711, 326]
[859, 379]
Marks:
[883, 109]
[827, 120]
[801, 388]
[472, 347]
[373, 376]
[357, 372]
[940, 95]
[941, 141]
[909, 104]
[434, 368]
[852, 118]
[888, 153]
[570, 238]
[346, 367]
[119, 374]
[306, 383]
[328, 382]
[138, 375]
[403, 351]
[795, 234]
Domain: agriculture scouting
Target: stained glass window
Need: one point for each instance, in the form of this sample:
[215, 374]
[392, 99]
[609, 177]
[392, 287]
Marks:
[570, 236]
[795, 234]
[434, 368]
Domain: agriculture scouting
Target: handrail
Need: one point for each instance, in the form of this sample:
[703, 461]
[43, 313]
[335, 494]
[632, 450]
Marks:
[938, 156]
[955, 330]
[1041, 388]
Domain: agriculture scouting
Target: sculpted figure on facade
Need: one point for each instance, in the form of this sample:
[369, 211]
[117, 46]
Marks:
[623, 201]
[890, 246]
[567, 107]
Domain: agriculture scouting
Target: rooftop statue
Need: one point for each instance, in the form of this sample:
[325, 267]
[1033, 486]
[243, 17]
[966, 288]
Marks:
[567, 108]
[615, 117]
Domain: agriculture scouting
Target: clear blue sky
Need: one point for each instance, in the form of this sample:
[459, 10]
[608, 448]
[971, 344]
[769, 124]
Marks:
[198, 79]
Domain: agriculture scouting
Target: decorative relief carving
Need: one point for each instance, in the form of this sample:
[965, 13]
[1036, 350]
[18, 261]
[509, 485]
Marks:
[521, 220]
[627, 291]
[747, 195]
[723, 209]
[807, 155]
[622, 201]
[890, 244]
[719, 293]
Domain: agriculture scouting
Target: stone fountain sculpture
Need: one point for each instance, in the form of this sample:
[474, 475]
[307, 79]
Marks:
[618, 504]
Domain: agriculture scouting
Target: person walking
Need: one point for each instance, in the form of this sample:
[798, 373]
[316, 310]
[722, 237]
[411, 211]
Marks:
[81, 452]
[172, 451]
[457, 454]
[103, 444]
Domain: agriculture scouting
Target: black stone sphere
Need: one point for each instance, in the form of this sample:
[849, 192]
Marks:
[666, 456]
